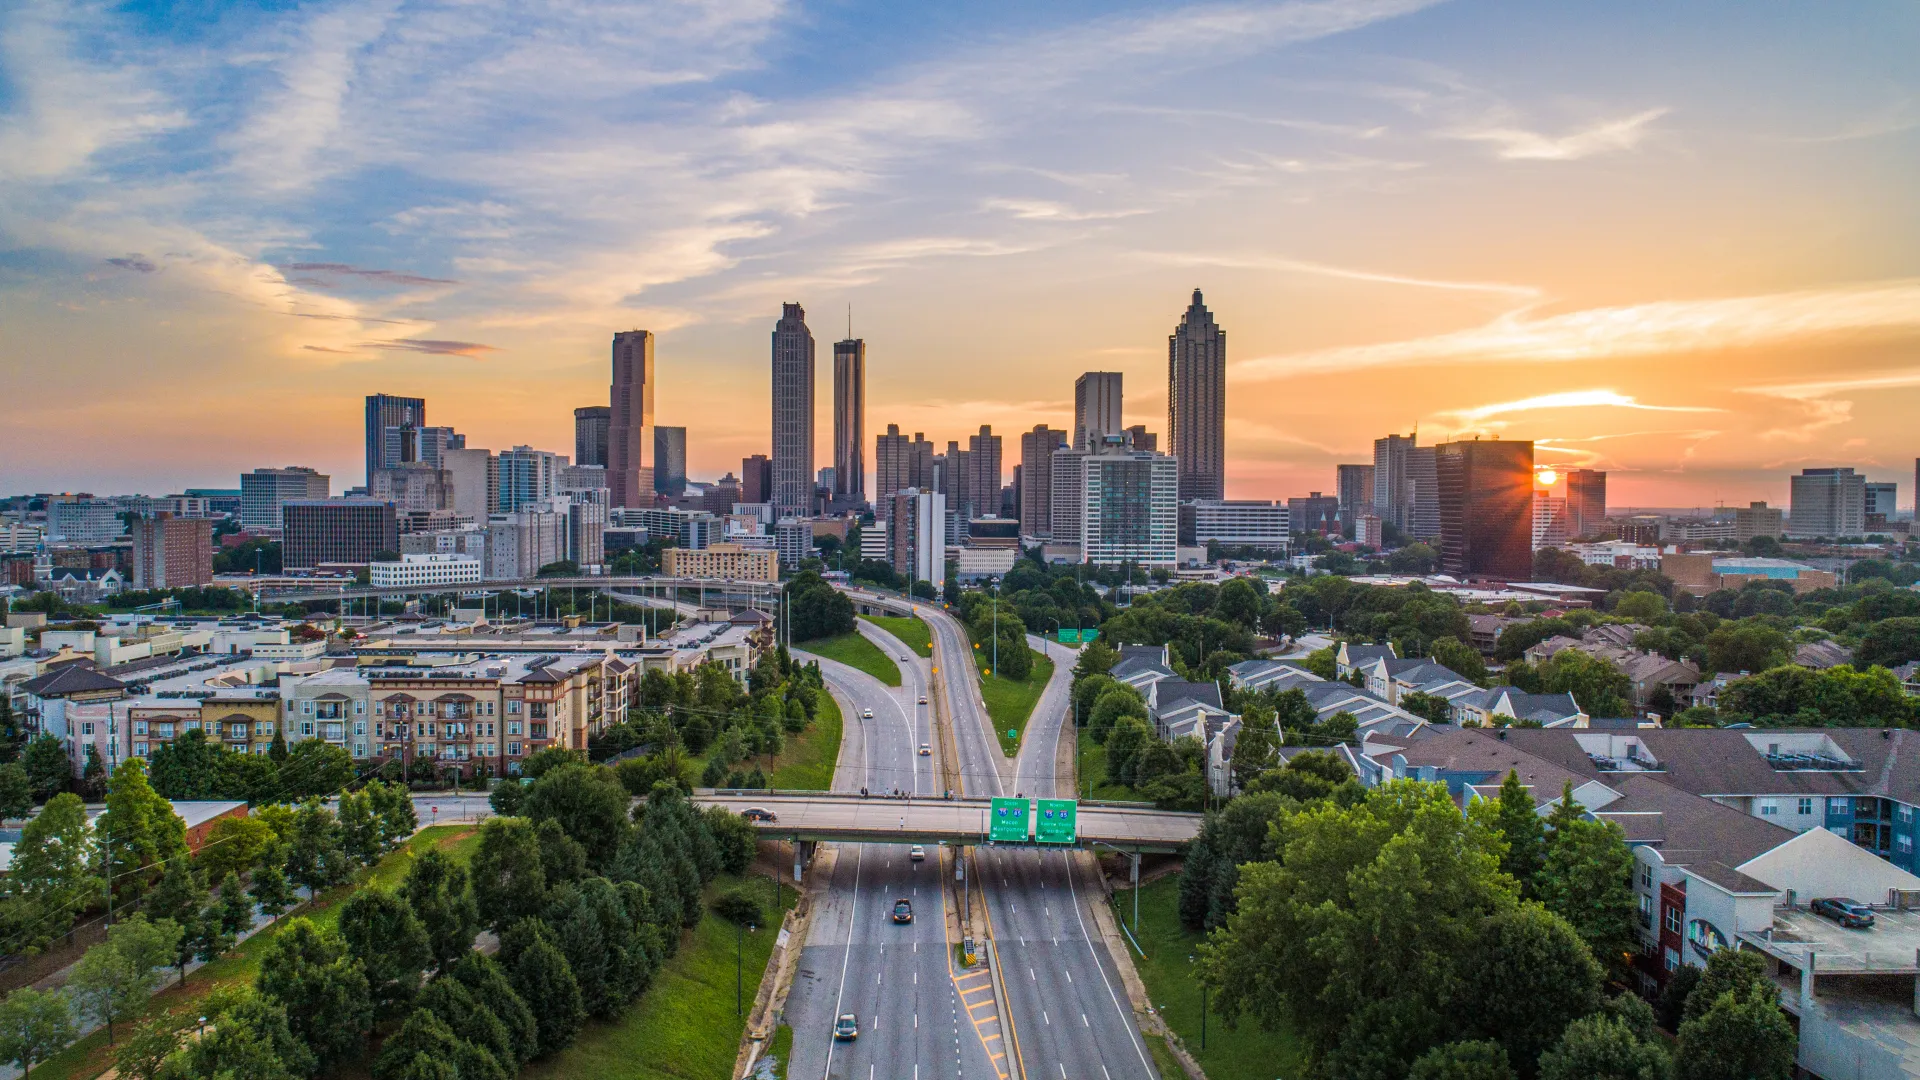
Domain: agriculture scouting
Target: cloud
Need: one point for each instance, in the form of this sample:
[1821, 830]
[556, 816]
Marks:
[1044, 210]
[435, 348]
[1283, 264]
[1664, 327]
[1569, 399]
[134, 262]
[1516, 144]
[387, 277]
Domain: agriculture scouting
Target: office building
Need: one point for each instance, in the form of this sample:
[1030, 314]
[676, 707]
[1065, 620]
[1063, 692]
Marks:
[1393, 479]
[1139, 438]
[1486, 508]
[83, 519]
[669, 461]
[583, 478]
[264, 491]
[520, 542]
[1067, 486]
[1424, 525]
[591, 424]
[475, 476]
[1758, 519]
[387, 411]
[1586, 501]
[731, 561]
[425, 570]
[172, 552]
[587, 513]
[406, 444]
[630, 419]
[1880, 501]
[850, 420]
[1827, 502]
[1197, 403]
[528, 476]
[350, 531]
[917, 541]
[756, 479]
[793, 480]
[1367, 530]
[1552, 520]
[1316, 513]
[1130, 509]
[1237, 523]
[723, 495]
[823, 480]
[1035, 475]
[1096, 408]
[892, 469]
[414, 486]
[793, 539]
[983, 473]
[1354, 487]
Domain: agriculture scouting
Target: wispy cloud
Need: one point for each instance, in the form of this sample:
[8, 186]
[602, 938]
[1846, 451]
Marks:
[1607, 136]
[384, 277]
[134, 262]
[1569, 399]
[1283, 264]
[435, 348]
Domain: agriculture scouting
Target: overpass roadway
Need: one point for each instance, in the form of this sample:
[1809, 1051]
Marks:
[724, 590]
[930, 819]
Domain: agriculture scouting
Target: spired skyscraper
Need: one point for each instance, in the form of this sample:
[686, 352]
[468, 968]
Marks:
[1197, 403]
[630, 423]
[850, 420]
[793, 479]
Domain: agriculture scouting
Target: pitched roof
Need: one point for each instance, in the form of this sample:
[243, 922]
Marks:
[1706, 837]
[1721, 761]
[1170, 694]
[1363, 654]
[1820, 655]
[71, 679]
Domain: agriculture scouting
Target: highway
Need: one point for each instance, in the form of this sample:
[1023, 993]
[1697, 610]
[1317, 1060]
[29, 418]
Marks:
[913, 1013]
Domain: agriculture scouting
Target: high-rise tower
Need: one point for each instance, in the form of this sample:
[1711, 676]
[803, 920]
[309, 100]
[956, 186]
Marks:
[1197, 403]
[630, 425]
[793, 480]
[850, 419]
[590, 424]
[386, 411]
[1096, 408]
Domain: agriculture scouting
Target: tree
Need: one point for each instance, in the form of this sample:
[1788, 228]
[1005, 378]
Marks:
[179, 897]
[1587, 879]
[1531, 975]
[139, 827]
[207, 935]
[1603, 1048]
[16, 791]
[1460, 658]
[381, 932]
[315, 859]
[34, 1026]
[1731, 971]
[93, 775]
[1889, 643]
[1746, 647]
[737, 841]
[48, 769]
[1463, 1061]
[147, 1048]
[1239, 832]
[1599, 688]
[307, 972]
[114, 978]
[509, 881]
[487, 981]
[270, 889]
[437, 890]
[236, 910]
[1430, 707]
[544, 981]
[1257, 751]
[359, 828]
[315, 768]
[1641, 605]
[250, 1038]
[589, 804]
[469, 1020]
[190, 767]
[54, 869]
[1736, 1038]
[562, 857]
[394, 807]
[1519, 823]
[233, 844]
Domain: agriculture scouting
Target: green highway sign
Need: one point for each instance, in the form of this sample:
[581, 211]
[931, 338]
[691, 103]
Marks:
[1069, 636]
[1009, 821]
[1058, 822]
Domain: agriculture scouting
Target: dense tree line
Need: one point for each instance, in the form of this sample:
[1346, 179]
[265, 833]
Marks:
[816, 609]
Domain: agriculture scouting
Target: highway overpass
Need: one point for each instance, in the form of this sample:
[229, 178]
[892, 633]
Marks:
[683, 592]
[828, 816]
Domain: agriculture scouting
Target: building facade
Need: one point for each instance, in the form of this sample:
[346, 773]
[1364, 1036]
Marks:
[733, 561]
[1130, 509]
[528, 476]
[630, 419]
[591, 424]
[1037, 448]
[1586, 501]
[669, 461]
[793, 380]
[383, 411]
[850, 420]
[1241, 523]
[1486, 508]
[350, 531]
[1393, 479]
[421, 570]
[1354, 486]
[1827, 502]
[1096, 408]
[1197, 403]
[264, 491]
[172, 552]
[983, 472]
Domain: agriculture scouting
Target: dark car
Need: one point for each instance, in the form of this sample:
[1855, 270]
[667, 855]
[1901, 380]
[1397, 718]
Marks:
[846, 1028]
[1848, 913]
[758, 813]
[903, 910]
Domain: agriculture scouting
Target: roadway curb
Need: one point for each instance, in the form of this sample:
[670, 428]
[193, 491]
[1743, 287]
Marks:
[770, 1001]
[1143, 1012]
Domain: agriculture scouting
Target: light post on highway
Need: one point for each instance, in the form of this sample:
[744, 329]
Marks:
[1203, 1008]
[739, 968]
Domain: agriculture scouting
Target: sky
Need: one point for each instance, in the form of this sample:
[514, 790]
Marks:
[1680, 243]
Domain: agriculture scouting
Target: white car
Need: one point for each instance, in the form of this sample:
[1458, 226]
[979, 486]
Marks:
[925, 750]
[866, 714]
[916, 853]
[923, 699]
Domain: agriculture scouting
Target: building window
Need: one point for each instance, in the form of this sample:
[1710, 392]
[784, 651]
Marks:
[307, 707]
[1769, 807]
[1903, 844]
[1646, 911]
[513, 727]
[1673, 959]
[513, 708]
[263, 727]
[86, 728]
[513, 749]
[165, 731]
[139, 727]
[1903, 812]
[1672, 919]
[1806, 807]
[1837, 806]
[1646, 878]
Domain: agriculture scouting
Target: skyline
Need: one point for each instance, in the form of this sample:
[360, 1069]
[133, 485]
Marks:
[1607, 232]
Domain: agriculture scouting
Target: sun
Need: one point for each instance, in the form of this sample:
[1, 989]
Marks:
[1546, 477]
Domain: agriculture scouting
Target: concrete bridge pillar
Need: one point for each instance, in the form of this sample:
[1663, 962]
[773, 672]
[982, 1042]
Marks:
[802, 855]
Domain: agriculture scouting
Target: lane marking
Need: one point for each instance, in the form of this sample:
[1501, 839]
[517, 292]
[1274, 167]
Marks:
[846, 956]
[1125, 1019]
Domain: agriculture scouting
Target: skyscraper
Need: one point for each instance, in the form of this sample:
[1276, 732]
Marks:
[1424, 522]
[1354, 485]
[1486, 508]
[920, 462]
[527, 476]
[892, 469]
[1586, 501]
[1392, 480]
[1036, 478]
[850, 419]
[630, 420]
[983, 473]
[792, 414]
[1096, 407]
[590, 426]
[1197, 403]
[670, 460]
[756, 479]
[264, 491]
[1827, 502]
[385, 411]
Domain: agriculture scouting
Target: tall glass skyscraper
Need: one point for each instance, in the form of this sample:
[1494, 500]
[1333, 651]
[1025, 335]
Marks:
[793, 479]
[387, 411]
[850, 419]
[630, 426]
[1197, 403]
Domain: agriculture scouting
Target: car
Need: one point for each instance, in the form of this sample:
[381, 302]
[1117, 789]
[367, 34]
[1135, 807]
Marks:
[903, 910]
[866, 714]
[758, 813]
[925, 750]
[846, 1029]
[1848, 913]
[923, 699]
[916, 853]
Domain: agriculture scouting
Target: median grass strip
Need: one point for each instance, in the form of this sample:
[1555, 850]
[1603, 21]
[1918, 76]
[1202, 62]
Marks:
[807, 762]
[88, 1058]
[914, 633]
[685, 1026]
[856, 652]
[1010, 702]
[1244, 1054]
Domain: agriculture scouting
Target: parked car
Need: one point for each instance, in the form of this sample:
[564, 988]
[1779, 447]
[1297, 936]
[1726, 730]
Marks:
[916, 853]
[846, 1029]
[903, 910]
[1848, 913]
[758, 813]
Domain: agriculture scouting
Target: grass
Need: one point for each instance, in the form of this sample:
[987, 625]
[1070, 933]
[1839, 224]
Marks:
[1010, 703]
[916, 634]
[1094, 783]
[856, 652]
[781, 1050]
[89, 1057]
[1245, 1054]
[684, 1027]
[807, 762]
